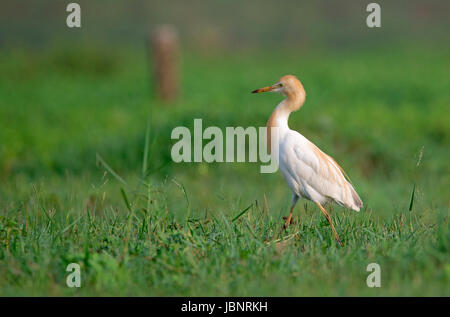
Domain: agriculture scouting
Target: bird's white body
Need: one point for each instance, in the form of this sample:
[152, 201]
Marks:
[309, 172]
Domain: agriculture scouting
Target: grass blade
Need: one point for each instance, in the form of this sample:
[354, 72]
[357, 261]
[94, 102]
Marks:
[145, 159]
[125, 199]
[110, 170]
[241, 213]
[412, 198]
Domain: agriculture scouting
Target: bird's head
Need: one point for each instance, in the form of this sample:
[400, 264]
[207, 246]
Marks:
[288, 86]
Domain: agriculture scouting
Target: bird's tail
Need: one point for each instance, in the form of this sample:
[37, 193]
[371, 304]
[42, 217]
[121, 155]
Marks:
[357, 202]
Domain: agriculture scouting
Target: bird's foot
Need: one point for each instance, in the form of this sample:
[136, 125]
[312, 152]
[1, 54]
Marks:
[286, 224]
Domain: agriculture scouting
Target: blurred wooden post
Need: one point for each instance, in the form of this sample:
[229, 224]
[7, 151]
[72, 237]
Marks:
[165, 62]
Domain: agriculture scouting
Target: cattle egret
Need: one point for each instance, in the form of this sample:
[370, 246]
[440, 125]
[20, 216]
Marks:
[309, 172]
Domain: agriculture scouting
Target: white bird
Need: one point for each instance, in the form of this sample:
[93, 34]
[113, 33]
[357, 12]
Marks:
[309, 172]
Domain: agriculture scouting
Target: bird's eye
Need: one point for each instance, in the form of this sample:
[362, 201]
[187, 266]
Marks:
[280, 85]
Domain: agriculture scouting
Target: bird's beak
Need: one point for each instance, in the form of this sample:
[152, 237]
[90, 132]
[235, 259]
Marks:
[265, 89]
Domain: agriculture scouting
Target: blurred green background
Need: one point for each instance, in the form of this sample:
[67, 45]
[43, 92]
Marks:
[73, 99]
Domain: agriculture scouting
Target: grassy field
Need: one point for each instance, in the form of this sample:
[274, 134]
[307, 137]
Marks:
[86, 175]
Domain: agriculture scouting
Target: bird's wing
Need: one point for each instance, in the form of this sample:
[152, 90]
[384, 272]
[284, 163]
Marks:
[321, 173]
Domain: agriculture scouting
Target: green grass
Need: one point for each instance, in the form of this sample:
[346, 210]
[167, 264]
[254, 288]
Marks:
[69, 118]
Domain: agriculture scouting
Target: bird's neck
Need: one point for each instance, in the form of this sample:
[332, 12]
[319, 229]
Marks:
[280, 116]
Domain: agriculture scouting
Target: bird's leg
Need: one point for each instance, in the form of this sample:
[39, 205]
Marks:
[287, 222]
[289, 218]
[330, 222]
